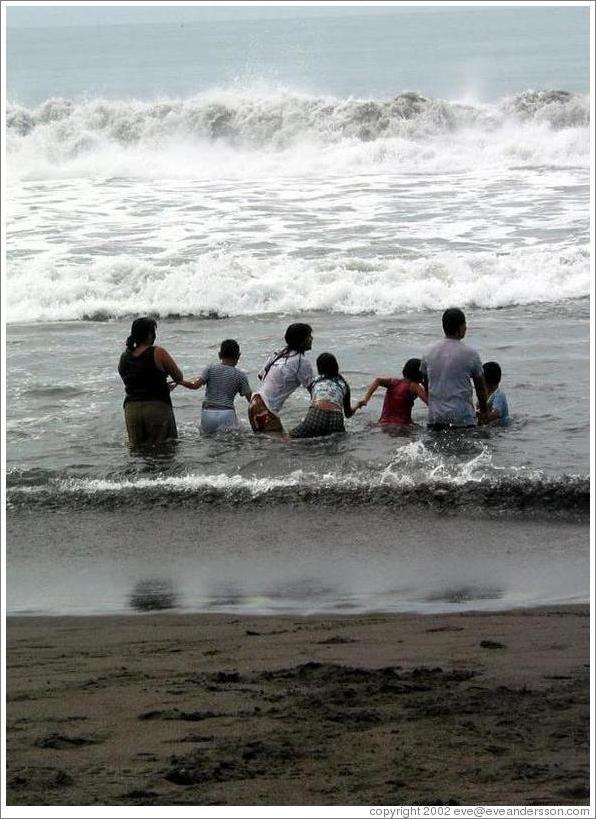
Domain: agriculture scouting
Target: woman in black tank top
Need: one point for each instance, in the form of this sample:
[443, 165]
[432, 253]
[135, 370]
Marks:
[145, 368]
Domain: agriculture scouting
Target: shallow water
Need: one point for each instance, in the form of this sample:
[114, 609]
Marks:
[65, 420]
[301, 558]
[373, 519]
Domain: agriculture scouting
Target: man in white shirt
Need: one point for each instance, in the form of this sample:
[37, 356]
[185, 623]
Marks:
[449, 369]
[283, 373]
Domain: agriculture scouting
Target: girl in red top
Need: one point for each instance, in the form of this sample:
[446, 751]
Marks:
[401, 394]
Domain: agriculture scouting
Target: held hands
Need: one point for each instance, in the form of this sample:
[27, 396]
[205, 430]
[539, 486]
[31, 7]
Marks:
[191, 385]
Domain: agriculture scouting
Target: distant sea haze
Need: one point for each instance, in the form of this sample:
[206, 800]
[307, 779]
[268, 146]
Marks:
[472, 53]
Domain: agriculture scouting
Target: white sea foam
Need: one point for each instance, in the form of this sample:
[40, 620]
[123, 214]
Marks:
[247, 134]
[415, 461]
[194, 483]
[243, 203]
[47, 289]
[413, 464]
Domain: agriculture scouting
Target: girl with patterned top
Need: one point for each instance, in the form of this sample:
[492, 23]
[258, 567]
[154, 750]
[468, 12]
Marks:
[330, 400]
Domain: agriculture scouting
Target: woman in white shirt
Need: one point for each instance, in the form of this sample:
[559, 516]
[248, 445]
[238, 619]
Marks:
[283, 373]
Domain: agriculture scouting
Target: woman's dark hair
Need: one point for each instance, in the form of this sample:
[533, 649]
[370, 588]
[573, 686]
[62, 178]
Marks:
[140, 331]
[492, 372]
[296, 339]
[411, 370]
[296, 336]
[229, 349]
[327, 365]
[452, 320]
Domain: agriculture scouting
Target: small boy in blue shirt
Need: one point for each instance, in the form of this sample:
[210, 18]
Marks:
[498, 410]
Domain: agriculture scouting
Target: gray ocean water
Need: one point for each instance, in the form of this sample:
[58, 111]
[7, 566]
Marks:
[359, 171]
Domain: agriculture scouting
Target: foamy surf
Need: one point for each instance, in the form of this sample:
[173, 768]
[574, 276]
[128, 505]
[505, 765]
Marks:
[474, 489]
[230, 134]
[238, 284]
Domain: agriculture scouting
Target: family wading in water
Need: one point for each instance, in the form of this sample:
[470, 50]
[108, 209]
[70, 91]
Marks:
[442, 379]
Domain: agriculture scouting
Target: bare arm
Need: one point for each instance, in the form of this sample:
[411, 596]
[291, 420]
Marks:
[245, 390]
[378, 382]
[419, 391]
[349, 410]
[493, 413]
[193, 385]
[490, 416]
[165, 362]
[481, 394]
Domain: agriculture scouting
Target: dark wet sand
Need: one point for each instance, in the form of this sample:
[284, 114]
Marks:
[380, 709]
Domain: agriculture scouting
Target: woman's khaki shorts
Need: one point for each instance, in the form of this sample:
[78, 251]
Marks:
[149, 422]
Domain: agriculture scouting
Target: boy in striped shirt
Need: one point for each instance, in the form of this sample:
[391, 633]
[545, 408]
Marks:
[224, 382]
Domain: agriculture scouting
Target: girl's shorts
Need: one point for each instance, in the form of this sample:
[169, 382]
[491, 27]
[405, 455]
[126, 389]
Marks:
[319, 422]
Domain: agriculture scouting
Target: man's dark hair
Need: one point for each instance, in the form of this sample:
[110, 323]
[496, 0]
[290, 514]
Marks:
[140, 332]
[411, 370]
[327, 365]
[296, 336]
[229, 349]
[492, 372]
[453, 318]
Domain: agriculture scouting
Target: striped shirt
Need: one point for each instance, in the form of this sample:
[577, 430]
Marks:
[224, 382]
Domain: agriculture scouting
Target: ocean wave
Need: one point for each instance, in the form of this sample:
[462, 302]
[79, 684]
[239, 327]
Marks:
[234, 284]
[230, 132]
[508, 495]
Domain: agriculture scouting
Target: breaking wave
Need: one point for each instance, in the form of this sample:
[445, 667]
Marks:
[233, 133]
[221, 284]
[508, 495]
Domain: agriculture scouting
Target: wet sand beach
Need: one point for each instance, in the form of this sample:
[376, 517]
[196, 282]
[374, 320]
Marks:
[192, 709]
